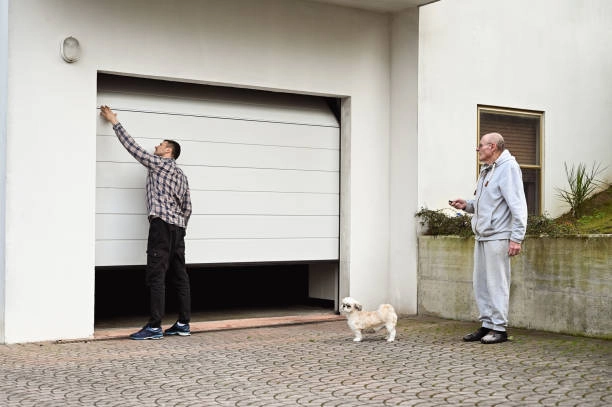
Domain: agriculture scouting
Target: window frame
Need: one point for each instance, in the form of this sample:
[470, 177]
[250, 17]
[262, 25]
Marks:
[507, 111]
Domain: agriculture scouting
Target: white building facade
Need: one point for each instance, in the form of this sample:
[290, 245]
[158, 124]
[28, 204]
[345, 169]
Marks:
[297, 47]
[550, 57]
[386, 68]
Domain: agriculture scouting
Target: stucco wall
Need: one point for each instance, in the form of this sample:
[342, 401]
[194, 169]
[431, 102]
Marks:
[546, 55]
[552, 288]
[294, 46]
[403, 161]
[3, 107]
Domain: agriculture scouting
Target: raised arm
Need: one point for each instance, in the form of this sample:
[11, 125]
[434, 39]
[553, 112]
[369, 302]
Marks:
[140, 154]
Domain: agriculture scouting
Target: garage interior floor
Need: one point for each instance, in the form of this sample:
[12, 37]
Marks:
[137, 321]
[218, 294]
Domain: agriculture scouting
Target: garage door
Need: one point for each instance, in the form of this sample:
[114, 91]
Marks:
[263, 170]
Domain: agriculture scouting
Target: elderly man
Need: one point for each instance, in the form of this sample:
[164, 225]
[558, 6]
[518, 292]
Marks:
[499, 224]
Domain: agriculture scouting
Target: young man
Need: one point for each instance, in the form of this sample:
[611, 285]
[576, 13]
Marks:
[499, 223]
[168, 209]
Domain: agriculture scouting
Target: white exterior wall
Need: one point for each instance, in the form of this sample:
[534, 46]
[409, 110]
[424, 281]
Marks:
[403, 162]
[548, 55]
[294, 46]
[3, 107]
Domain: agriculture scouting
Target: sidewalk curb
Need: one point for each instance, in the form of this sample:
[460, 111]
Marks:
[223, 325]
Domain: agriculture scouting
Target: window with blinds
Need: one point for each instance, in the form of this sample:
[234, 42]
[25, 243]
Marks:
[522, 132]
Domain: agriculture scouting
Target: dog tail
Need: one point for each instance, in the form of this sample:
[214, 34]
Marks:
[386, 309]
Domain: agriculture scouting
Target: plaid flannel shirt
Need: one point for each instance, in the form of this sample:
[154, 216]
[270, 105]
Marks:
[167, 188]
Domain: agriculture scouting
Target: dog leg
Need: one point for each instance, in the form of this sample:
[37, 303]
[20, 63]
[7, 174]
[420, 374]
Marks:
[391, 330]
[357, 335]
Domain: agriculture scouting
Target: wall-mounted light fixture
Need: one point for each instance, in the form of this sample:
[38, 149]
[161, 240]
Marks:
[70, 49]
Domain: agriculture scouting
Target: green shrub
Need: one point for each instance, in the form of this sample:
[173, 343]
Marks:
[439, 223]
[542, 225]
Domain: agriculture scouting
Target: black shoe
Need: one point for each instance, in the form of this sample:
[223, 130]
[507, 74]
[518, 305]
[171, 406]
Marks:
[476, 336]
[495, 337]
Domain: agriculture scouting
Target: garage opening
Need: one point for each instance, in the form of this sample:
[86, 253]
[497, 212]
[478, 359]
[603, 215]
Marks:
[263, 169]
[219, 293]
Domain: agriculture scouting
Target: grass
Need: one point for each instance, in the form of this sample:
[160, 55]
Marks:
[597, 215]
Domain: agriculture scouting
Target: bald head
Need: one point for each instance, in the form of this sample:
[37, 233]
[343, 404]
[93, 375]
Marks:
[494, 138]
[490, 148]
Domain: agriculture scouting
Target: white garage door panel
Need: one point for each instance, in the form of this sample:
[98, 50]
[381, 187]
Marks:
[227, 95]
[309, 110]
[252, 156]
[230, 155]
[120, 175]
[194, 128]
[121, 227]
[265, 203]
[109, 149]
[121, 201]
[245, 250]
[132, 175]
[240, 179]
[242, 227]
[263, 171]
[132, 252]
[109, 200]
[135, 227]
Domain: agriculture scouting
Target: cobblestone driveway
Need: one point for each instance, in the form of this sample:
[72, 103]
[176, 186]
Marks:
[312, 365]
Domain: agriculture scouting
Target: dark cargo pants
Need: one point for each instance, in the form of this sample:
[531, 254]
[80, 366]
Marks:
[166, 254]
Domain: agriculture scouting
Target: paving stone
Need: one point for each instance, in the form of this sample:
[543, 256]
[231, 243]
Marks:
[312, 364]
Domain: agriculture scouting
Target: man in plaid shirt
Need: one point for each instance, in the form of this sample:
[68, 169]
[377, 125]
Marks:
[169, 209]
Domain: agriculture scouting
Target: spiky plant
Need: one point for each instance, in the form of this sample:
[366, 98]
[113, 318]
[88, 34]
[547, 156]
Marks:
[582, 184]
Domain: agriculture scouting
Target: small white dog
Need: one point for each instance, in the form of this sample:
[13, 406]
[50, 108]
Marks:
[361, 321]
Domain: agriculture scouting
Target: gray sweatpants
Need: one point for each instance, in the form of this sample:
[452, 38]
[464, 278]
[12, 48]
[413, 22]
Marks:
[492, 282]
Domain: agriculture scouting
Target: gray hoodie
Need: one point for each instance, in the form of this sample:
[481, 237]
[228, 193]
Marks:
[499, 206]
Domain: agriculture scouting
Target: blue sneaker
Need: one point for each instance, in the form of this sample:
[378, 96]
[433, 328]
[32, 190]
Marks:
[147, 332]
[176, 329]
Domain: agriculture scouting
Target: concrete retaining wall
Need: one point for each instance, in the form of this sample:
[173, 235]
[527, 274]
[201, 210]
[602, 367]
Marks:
[558, 284]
